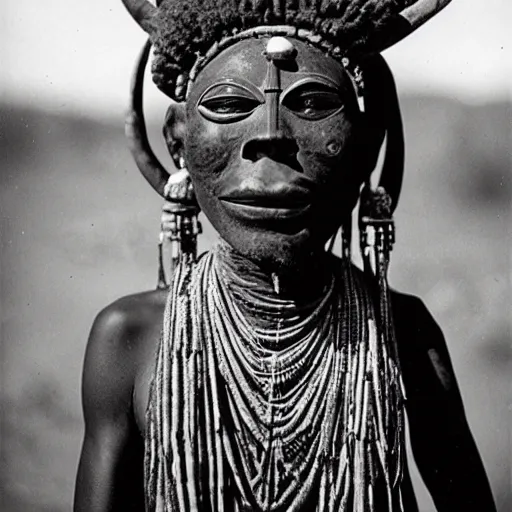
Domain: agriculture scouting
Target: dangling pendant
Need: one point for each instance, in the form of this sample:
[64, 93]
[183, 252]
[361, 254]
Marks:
[377, 229]
[275, 282]
[184, 210]
[180, 229]
[161, 279]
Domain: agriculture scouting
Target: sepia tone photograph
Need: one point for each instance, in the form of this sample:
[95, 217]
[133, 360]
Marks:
[255, 256]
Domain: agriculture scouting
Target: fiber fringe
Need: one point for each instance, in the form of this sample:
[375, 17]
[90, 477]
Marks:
[244, 417]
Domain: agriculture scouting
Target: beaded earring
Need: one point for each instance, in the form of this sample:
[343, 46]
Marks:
[377, 237]
[377, 230]
[179, 223]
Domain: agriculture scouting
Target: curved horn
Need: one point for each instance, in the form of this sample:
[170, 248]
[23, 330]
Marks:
[136, 132]
[395, 28]
[142, 12]
[384, 118]
[422, 10]
[392, 174]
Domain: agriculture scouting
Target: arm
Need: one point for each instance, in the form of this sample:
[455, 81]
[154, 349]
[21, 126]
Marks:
[108, 477]
[442, 444]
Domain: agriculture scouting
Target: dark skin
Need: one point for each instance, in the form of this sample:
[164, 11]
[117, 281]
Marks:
[319, 159]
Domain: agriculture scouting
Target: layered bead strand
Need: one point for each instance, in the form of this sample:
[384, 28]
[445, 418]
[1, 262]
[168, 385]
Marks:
[260, 403]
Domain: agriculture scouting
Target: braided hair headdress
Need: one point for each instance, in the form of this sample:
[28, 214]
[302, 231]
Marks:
[187, 34]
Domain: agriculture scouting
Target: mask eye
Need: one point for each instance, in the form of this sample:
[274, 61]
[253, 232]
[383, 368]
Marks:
[313, 101]
[228, 103]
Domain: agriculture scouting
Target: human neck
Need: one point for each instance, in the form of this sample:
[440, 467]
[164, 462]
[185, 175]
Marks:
[301, 282]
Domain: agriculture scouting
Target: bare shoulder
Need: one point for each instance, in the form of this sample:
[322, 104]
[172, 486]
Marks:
[122, 340]
[441, 440]
[422, 348]
[124, 329]
[130, 314]
[410, 313]
[123, 337]
[415, 326]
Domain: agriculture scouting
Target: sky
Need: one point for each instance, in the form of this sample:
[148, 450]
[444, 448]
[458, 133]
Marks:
[78, 56]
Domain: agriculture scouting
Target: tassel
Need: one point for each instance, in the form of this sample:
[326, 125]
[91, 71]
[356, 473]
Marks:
[161, 279]
[182, 231]
[377, 232]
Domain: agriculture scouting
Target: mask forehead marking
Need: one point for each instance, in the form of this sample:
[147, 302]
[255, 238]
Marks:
[279, 51]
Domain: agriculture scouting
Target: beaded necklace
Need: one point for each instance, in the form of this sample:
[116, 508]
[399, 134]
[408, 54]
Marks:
[261, 403]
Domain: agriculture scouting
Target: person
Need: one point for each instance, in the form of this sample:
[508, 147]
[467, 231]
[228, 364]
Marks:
[273, 376]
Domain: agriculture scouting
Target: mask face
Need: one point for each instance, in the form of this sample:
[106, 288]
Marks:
[275, 177]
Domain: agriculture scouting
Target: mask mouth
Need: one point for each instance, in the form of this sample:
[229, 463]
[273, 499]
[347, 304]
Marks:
[280, 202]
[257, 212]
[290, 199]
[277, 203]
[278, 196]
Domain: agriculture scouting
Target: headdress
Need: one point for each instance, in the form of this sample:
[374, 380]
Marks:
[189, 33]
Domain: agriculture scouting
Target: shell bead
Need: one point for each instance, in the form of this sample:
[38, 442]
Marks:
[280, 48]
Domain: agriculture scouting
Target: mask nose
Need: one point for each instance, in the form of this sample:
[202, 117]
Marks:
[278, 148]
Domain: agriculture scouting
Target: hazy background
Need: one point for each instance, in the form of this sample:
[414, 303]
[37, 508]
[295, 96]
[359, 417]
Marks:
[79, 225]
